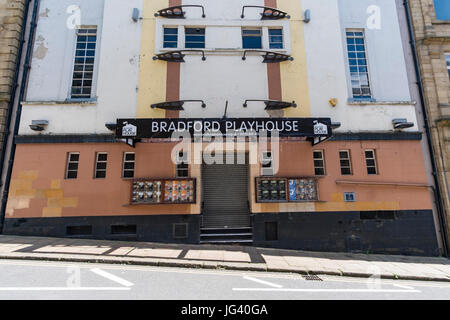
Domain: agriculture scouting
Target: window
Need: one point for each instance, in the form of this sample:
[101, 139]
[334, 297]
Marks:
[442, 8]
[182, 165]
[251, 39]
[371, 162]
[170, 38]
[276, 38]
[346, 165]
[319, 162]
[447, 60]
[357, 59]
[72, 165]
[83, 70]
[100, 165]
[128, 165]
[195, 38]
[267, 163]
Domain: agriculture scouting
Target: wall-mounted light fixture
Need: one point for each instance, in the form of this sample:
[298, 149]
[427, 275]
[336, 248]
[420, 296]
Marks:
[307, 16]
[38, 125]
[268, 13]
[176, 12]
[401, 123]
[272, 104]
[335, 125]
[176, 56]
[111, 126]
[135, 15]
[175, 105]
[270, 56]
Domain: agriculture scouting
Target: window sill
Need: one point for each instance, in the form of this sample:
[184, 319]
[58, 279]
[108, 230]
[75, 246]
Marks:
[361, 102]
[74, 102]
[231, 51]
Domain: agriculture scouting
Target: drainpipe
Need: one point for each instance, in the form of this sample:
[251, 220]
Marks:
[26, 68]
[436, 190]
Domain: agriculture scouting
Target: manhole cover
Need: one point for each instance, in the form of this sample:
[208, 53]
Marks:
[312, 277]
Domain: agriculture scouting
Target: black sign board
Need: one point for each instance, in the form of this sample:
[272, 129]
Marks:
[164, 128]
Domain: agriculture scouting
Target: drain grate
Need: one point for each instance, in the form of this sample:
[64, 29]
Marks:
[312, 277]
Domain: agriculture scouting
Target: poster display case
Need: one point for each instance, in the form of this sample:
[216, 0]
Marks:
[274, 189]
[163, 191]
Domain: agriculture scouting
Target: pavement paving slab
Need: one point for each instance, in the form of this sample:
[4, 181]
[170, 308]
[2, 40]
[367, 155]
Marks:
[224, 257]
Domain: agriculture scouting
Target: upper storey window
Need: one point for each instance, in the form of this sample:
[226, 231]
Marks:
[251, 39]
[83, 70]
[357, 60]
[195, 38]
[442, 8]
[276, 38]
[447, 59]
[170, 37]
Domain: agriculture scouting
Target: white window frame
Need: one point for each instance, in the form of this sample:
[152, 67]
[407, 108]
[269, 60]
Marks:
[349, 159]
[94, 66]
[282, 38]
[447, 61]
[322, 158]
[69, 161]
[178, 37]
[185, 35]
[374, 158]
[97, 161]
[125, 161]
[261, 35]
[370, 83]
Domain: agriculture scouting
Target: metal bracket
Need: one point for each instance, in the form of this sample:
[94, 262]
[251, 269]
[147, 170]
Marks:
[270, 56]
[176, 56]
[273, 104]
[268, 13]
[176, 12]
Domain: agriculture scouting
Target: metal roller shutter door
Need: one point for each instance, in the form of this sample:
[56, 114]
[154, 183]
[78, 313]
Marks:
[225, 196]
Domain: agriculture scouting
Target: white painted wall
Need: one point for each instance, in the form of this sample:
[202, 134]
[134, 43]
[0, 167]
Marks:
[328, 73]
[117, 67]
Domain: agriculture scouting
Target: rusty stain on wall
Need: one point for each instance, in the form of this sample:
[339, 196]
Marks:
[22, 192]
[41, 49]
[45, 13]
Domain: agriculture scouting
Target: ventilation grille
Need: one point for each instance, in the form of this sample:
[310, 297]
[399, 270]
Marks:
[377, 215]
[312, 277]
[180, 230]
[79, 230]
[123, 229]
[271, 231]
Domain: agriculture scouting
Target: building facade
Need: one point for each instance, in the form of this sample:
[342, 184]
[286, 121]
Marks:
[431, 24]
[111, 81]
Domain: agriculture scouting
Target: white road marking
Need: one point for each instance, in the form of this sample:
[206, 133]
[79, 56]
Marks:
[64, 289]
[328, 290]
[402, 286]
[112, 277]
[263, 282]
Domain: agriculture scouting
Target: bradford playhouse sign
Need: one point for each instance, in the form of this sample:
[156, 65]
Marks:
[310, 128]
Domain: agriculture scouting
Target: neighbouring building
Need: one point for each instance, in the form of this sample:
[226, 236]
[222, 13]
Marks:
[431, 25]
[94, 151]
[11, 21]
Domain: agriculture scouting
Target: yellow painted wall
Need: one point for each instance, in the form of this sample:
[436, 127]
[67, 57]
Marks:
[152, 74]
[294, 76]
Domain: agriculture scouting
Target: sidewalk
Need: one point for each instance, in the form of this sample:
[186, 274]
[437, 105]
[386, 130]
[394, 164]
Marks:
[224, 257]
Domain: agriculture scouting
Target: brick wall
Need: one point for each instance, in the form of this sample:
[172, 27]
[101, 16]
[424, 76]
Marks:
[433, 42]
[11, 18]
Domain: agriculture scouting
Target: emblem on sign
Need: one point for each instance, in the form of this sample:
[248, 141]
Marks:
[320, 128]
[129, 130]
